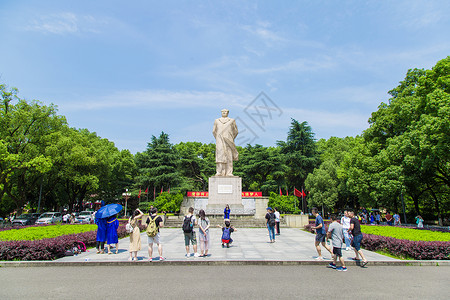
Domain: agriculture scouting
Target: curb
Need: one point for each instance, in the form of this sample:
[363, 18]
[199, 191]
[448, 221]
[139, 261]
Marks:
[218, 263]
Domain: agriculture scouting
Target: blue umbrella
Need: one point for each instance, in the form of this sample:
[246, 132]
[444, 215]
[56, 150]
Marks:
[108, 210]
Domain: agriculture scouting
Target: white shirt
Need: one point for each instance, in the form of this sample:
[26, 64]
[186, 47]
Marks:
[345, 222]
[277, 216]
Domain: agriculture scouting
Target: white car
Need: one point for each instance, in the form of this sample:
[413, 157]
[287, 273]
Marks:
[49, 218]
[85, 217]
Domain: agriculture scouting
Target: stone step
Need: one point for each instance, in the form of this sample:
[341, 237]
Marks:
[243, 222]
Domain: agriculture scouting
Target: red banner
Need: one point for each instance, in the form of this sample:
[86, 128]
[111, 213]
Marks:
[206, 194]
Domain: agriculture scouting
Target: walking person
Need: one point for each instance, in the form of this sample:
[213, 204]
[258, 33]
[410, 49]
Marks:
[203, 233]
[112, 224]
[277, 221]
[378, 218]
[345, 222]
[189, 233]
[355, 229]
[270, 223]
[135, 236]
[335, 232]
[320, 234]
[153, 224]
[226, 212]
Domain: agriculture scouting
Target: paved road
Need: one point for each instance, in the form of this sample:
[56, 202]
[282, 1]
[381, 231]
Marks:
[249, 244]
[162, 281]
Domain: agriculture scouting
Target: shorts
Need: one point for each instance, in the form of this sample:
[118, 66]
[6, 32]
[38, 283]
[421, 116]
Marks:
[320, 237]
[190, 237]
[154, 239]
[337, 251]
[356, 242]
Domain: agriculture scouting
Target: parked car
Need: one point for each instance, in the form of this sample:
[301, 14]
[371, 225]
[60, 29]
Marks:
[84, 217]
[25, 219]
[49, 218]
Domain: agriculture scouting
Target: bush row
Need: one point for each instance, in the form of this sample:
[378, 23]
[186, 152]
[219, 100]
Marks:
[43, 232]
[420, 250]
[51, 248]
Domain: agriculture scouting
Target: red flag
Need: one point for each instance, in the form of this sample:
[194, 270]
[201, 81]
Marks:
[169, 189]
[298, 193]
[161, 190]
[139, 196]
[146, 190]
[281, 194]
[154, 192]
[287, 192]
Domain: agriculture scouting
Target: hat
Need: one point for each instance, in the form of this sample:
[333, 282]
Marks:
[269, 208]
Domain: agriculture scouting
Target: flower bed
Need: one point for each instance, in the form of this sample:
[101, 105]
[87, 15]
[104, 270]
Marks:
[43, 232]
[421, 250]
[49, 248]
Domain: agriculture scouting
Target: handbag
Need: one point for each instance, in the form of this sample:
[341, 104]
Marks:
[129, 228]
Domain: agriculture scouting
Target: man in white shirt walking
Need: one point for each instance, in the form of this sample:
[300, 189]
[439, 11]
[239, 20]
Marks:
[345, 222]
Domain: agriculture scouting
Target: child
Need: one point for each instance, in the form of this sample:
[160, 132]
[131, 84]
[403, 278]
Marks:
[335, 232]
[226, 234]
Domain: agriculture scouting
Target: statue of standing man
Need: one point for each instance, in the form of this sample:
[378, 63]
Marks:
[225, 131]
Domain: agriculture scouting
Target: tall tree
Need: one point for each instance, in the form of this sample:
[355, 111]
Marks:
[300, 153]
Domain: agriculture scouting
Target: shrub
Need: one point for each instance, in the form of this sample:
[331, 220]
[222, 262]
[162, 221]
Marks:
[284, 204]
[49, 248]
[43, 232]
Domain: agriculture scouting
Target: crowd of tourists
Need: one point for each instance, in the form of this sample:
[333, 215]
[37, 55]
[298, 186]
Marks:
[345, 234]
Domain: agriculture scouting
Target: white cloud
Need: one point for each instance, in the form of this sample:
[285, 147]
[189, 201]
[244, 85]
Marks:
[161, 98]
[65, 23]
[297, 65]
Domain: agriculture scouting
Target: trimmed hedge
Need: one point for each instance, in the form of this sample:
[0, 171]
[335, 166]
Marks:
[50, 248]
[43, 232]
[420, 250]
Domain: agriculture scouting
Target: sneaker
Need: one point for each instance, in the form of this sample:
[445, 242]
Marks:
[196, 254]
[187, 255]
[341, 269]
[347, 248]
[162, 258]
[331, 265]
[319, 258]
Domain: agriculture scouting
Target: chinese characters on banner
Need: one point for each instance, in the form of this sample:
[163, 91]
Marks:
[206, 194]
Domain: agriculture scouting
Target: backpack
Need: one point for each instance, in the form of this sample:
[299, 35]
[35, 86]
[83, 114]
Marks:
[187, 227]
[271, 220]
[226, 233]
[152, 229]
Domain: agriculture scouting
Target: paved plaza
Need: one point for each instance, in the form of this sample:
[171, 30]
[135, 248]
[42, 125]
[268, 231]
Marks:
[250, 244]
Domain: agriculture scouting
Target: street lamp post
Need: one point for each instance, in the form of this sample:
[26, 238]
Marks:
[126, 195]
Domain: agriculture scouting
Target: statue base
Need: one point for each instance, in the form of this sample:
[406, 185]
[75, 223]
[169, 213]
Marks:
[224, 190]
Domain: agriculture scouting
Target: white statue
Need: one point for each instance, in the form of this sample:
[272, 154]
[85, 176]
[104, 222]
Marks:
[225, 131]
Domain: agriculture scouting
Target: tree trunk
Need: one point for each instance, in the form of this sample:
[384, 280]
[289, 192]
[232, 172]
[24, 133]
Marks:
[436, 204]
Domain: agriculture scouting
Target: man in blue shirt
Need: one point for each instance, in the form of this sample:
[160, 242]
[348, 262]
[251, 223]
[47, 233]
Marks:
[320, 234]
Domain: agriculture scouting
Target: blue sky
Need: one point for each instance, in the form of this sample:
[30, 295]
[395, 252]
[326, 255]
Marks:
[128, 70]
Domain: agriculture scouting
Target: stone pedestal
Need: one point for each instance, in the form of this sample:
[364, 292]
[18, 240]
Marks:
[225, 190]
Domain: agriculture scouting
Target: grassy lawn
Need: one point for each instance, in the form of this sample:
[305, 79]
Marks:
[44, 232]
[406, 233]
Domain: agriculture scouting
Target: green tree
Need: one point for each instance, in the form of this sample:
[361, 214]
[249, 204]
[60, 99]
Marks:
[300, 153]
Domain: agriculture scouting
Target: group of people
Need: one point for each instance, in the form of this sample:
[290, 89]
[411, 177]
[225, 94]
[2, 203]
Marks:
[348, 230]
[155, 222]
[107, 233]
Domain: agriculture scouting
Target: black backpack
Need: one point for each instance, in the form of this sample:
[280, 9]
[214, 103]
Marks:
[187, 227]
[271, 219]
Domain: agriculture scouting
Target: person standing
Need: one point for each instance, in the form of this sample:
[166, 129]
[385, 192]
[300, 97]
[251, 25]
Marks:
[112, 224]
[101, 232]
[388, 218]
[135, 236]
[277, 221]
[203, 233]
[153, 224]
[226, 212]
[419, 222]
[355, 229]
[397, 219]
[335, 232]
[320, 234]
[345, 222]
[270, 223]
[378, 218]
[189, 233]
